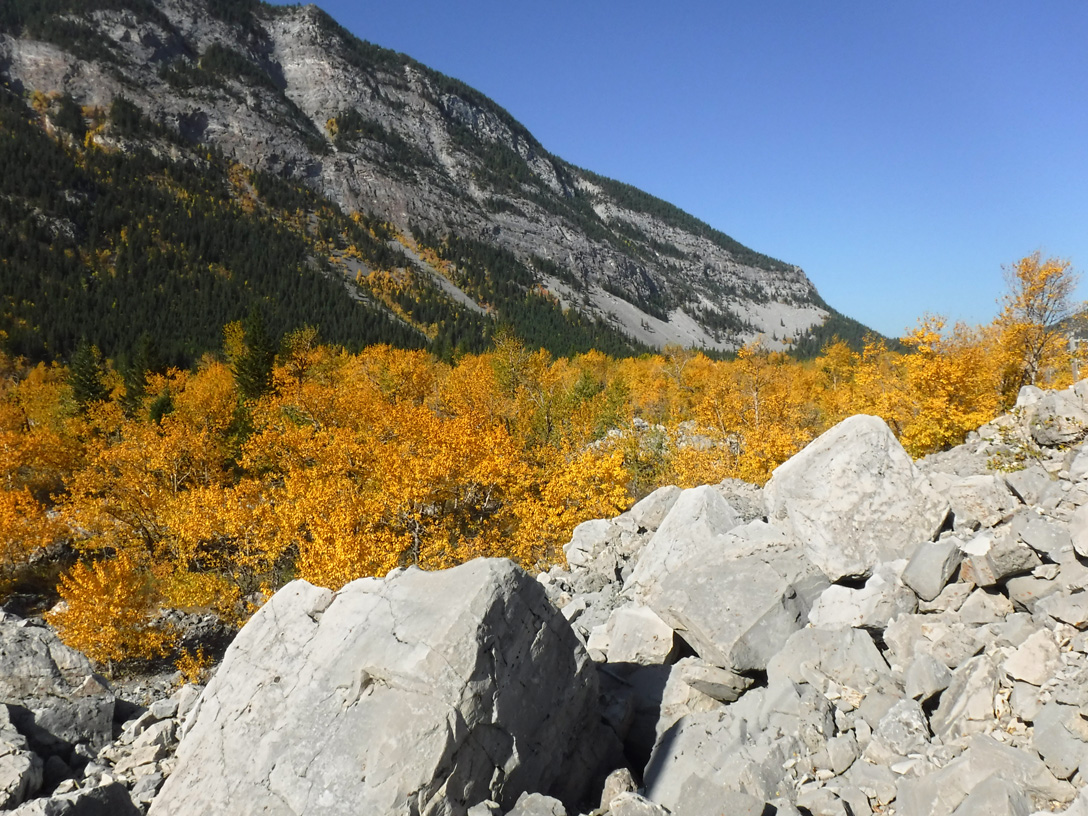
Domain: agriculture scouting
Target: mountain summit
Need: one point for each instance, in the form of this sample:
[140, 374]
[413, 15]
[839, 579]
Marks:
[465, 193]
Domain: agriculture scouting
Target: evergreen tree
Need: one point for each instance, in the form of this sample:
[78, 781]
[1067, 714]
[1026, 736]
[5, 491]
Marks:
[253, 367]
[144, 359]
[86, 375]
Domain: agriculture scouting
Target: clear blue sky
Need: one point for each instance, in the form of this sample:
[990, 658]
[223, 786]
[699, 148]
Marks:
[900, 153]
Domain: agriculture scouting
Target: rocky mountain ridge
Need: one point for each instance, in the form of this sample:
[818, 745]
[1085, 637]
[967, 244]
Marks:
[864, 635]
[287, 90]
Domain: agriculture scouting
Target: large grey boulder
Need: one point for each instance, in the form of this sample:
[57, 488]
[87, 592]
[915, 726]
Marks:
[715, 682]
[901, 731]
[637, 635]
[648, 513]
[1034, 660]
[995, 798]
[844, 665]
[706, 760]
[854, 498]
[696, 520]
[1045, 536]
[1053, 417]
[537, 804]
[593, 547]
[57, 700]
[1032, 484]
[931, 566]
[981, 501]
[967, 705]
[733, 593]
[872, 606]
[1060, 735]
[994, 555]
[632, 804]
[423, 693]
[1071, 609]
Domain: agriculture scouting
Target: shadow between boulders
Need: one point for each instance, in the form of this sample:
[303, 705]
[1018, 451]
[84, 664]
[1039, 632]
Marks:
[633, 702]
[41, 740]
[631, 697]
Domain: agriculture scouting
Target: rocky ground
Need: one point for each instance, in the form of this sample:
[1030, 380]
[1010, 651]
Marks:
[864, 635]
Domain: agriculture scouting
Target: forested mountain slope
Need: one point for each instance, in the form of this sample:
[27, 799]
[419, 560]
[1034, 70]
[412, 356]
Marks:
[470, 222]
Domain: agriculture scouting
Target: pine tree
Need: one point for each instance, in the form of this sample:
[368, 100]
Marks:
[86, 375]
[253, 366]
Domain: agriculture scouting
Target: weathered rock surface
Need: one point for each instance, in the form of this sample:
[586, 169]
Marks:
[110, 799]
[467, 685]
[883, 598]
[931, 566]
[734, 593]
[20, 768]
[854, 499]
[54, 696]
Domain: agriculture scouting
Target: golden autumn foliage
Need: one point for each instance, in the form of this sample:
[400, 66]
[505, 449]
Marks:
[1035, 315]
[108, 611]
[193, 665]
[200, 494]
[949, 383]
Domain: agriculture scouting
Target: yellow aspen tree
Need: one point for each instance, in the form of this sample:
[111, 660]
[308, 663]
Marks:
[25, 530]
[752, 415]
[1035, 322]
[578, 486]
[108, 611]
[951, 382]
[837, 366]
[880, 386]
[471, 387]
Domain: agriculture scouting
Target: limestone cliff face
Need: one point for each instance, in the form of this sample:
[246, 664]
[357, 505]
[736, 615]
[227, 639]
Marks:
[288, 90]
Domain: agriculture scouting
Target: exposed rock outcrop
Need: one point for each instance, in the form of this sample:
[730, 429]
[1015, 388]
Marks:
[422, 693]
[853, 498]
[375, 131]
[52, 693]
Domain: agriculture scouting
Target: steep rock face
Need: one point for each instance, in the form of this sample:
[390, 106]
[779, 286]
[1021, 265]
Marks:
[289, 91]
[423, 693]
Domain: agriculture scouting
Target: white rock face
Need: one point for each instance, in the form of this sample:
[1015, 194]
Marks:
[985, 762]
[637, 635]
[1035, 660]
[883, 598]
[982, 501]
[854, 498]
[422, 693]
[1054, 417]
[696, 519]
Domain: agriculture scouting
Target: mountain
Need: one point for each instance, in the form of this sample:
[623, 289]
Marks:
[287, 124]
